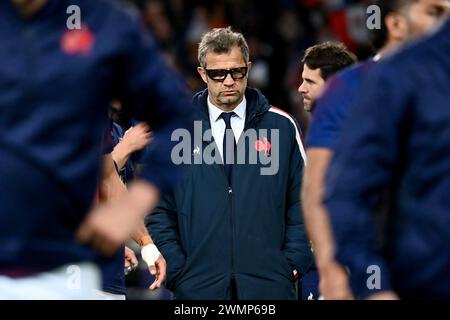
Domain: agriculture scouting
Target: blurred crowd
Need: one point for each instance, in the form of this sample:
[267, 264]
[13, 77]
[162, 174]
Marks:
[278, 32]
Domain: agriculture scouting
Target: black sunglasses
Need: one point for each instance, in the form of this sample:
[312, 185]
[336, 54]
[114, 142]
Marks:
[221, 74]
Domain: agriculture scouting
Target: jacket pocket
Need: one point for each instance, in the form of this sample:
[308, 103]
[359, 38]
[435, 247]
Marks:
[179, 277]
[183, 229]
[175, 268]
[289, 271]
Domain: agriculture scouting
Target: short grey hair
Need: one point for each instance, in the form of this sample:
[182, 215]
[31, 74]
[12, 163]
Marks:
[221, 40]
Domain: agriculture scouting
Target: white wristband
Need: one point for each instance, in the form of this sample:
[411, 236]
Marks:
[150, 254]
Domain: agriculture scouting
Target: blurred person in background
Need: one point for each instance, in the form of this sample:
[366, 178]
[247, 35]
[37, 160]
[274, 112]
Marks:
[118, 171]
[57, 78]
[320, 62]
[396, 138]
[401, 21]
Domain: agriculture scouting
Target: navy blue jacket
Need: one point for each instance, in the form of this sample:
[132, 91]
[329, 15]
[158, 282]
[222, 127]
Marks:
[397, 138]
[252, 230]
[55, 86]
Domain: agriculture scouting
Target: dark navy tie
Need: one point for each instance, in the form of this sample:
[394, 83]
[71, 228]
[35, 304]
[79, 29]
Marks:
[229, 144]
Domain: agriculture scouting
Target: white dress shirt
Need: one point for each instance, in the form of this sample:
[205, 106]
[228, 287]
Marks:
[218, 124]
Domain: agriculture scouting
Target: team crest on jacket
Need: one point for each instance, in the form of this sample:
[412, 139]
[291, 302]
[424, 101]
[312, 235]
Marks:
[263, 145]
[77, 41]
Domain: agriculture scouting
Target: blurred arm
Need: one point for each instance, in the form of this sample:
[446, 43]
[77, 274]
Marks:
[365, 162]
[333, 278]
[296, 246]
[134, 139]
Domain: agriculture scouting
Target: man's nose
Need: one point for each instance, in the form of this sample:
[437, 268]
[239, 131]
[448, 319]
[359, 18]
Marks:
[302, 88]
[228, 81]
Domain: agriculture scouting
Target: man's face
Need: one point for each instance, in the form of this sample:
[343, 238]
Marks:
[225, 94]
[311, 87]
[423, 15]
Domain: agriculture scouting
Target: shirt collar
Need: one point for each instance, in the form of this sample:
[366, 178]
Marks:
[214, 112]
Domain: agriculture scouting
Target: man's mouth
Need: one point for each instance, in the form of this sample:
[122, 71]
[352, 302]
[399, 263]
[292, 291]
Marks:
[229, 93]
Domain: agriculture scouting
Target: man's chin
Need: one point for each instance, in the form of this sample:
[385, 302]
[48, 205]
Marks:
[307, 106]
[229, 100]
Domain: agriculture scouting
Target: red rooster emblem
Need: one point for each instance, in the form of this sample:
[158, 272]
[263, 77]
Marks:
[263, 145]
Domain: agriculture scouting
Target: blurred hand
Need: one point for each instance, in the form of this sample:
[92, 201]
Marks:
[333, 283]
[137, 137]
[130, 257]
[109, 226]
[159, 270]
[384, 295]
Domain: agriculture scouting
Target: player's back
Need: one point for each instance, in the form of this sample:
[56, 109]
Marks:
[422, 229]
[56, 84]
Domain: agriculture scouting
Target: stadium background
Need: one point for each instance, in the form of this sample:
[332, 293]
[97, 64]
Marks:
[278, 32]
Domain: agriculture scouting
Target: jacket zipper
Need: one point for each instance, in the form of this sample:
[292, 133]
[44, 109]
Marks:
[230, 197]
[230, 200]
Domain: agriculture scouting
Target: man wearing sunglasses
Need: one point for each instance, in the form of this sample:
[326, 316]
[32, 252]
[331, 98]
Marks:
[229, 231]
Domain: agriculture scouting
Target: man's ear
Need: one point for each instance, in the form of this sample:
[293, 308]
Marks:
[397, 26]
[249, 66]
[202, 74]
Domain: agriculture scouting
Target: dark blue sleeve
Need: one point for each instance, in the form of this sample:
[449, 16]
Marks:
[329, 114]
[162, 224]
[364, 163]
[159, 96]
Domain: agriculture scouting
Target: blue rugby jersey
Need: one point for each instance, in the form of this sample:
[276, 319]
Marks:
[55, 86]
[397, 135]
[333, 106]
